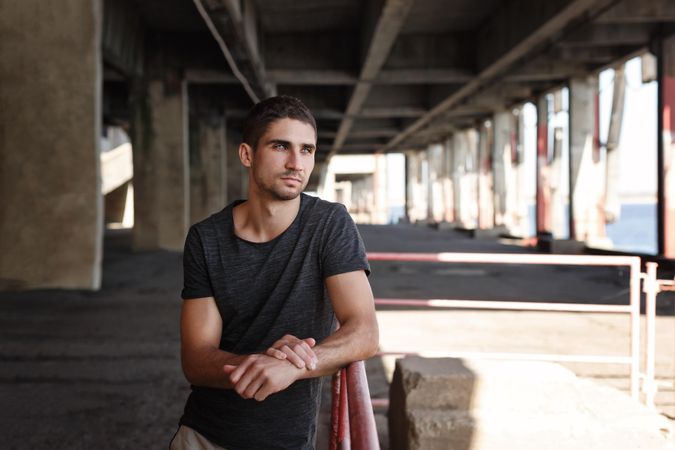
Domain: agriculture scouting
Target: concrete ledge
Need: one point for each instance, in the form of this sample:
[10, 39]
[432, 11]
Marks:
[450, 403]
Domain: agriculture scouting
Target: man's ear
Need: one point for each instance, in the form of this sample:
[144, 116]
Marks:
[245, 154]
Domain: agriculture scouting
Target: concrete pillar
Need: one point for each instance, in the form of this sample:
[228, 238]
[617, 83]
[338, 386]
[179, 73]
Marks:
[518, 181]
[448, 194]
[161, 176]
[465, 144]
[666, 157]
[380, 190]
[587, 219]
[485, 189]
[208, 166]
[51, 218]
[436, 203]
[543, 205]
[115, 203]
[501, 165]
[237, 177]
[613, 165]
[417, 189]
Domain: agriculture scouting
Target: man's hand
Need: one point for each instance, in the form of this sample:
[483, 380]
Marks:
[297, 351]
[259, 376]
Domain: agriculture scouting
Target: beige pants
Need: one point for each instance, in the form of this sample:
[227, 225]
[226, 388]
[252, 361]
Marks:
[188, 439]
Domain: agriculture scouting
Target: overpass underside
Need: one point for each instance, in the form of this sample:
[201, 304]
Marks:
[443, 82]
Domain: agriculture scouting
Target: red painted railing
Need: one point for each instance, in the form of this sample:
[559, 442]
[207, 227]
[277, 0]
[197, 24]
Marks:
[352, 419]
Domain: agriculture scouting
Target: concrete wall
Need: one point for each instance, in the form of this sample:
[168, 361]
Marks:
[51, 218]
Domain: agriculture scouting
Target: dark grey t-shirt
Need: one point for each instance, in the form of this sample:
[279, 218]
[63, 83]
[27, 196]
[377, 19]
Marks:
[264, 291]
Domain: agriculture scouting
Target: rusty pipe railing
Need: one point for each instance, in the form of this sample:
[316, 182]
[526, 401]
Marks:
[352, 419]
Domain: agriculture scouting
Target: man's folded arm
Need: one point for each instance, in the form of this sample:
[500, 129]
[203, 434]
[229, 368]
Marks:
[358, 336]
[202, 360]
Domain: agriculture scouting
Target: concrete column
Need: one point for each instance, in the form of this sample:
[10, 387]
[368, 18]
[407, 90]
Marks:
[543, 205]
[237, 177]
[416, 189]
[587, 219]
[501, 164]
[456, 176]
[161, 175]
[380, 190]
[51, 218]
[208, 167]
[436, 203]
[519, 195]
[613, 164]
[666, 159]
[485, 189]
[448, 180]
[470, 184]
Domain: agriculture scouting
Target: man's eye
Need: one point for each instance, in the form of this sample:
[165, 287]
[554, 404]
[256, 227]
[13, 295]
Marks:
[279, 147]
[309, 150]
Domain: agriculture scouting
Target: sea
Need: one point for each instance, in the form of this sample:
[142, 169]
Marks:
[635, 231]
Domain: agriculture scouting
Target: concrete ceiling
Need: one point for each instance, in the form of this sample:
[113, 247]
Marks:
[386, 75]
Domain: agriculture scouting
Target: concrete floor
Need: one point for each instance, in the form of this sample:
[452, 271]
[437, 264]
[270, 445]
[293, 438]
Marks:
[84, 370]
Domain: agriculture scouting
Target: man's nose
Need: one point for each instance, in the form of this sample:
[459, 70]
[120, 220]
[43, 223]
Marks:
[293, 161]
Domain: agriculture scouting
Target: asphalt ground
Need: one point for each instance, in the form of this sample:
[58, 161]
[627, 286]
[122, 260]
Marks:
[101, 370]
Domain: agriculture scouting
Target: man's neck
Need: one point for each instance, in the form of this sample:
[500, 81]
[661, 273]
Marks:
[260, 219]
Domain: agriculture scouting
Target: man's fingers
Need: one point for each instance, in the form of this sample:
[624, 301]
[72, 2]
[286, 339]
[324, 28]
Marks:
[240, 370]
[253, 387]
[228, 369]
[310, 341]
[307, 354]
[273, 352]
[246, 379]
[293, 357]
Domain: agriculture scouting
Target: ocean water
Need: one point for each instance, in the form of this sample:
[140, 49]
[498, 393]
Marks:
[636, 228]
[635, 231]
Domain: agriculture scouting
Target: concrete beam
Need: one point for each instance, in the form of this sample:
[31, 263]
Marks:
[123, 37]
[402, 111]
[424, 76]
[51, 218]
[601, 35]
[643, 11]
[545, 69]
[507, 38]
[388, 25]
[312, 77]
[233, 24]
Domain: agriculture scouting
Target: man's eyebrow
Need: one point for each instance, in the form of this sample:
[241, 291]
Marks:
[279, 141]
[288, 143]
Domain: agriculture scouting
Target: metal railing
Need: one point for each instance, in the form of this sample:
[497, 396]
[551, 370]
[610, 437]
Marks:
[631, 359]
[652, 287]
[352, 419]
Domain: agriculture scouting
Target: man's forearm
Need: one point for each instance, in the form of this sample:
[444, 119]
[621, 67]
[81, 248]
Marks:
[206, 367]
[353, 341]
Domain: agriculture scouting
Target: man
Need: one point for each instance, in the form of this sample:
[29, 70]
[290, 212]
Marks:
[265, 281]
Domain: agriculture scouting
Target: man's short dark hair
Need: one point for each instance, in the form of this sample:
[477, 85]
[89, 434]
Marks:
[270, 110]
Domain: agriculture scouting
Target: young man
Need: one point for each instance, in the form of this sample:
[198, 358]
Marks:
[265, 280]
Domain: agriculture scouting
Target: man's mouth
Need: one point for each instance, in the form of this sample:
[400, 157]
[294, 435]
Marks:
[298, 180]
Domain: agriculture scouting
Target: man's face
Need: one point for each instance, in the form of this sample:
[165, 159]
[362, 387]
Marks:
[284, 158]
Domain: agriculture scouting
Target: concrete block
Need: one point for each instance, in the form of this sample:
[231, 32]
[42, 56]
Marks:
[450, 403]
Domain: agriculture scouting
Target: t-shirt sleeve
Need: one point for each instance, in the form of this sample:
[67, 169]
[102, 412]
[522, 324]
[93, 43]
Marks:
[343, 249]
[196, 282]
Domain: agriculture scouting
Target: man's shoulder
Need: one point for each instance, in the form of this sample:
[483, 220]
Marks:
[323, 208]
